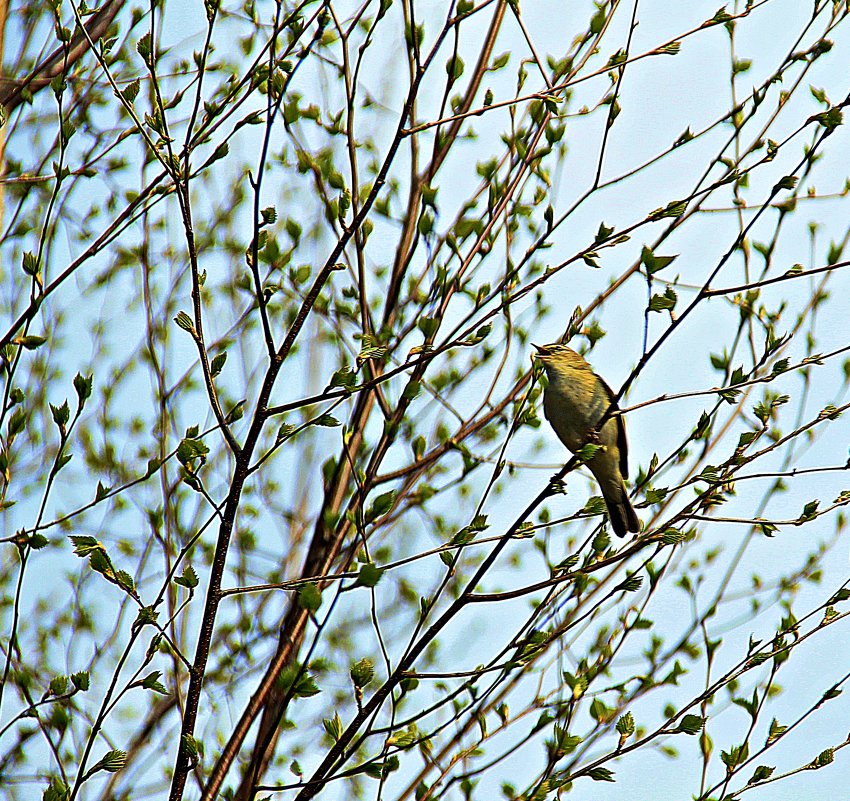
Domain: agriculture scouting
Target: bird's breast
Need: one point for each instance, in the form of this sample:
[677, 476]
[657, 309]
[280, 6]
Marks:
[566, 404]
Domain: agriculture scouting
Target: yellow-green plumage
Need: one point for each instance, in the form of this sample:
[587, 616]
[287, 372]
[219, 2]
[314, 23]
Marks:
[574, 402]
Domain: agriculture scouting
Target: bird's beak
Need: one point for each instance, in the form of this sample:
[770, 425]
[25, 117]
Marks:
[541, 349]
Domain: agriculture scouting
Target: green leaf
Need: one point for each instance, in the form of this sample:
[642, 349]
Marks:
[80, 680]
[842, 595]
[599, 711]
[454, 67]
[809, 512]
[217, 363]
[597, 21]
[672, 536]
[479, 335]
[669, 49]
[595, 505]
[626, 724]
[82, 386]
[602, 234]
[411, 390]
[35, 541]
[30, 341]
[194, 747]
[673, 677]
[631, 584]
[409, 683]
[143, 48]
[676, 208]
[829, 119]
[709, 474]
[285, 431]
[776, 731]
[30, 264]
[344, 377]
[590, 259]
[379, 770]
[665, 302]
[780, 367]
[691, 724]
[84, 545]
[17, 422]
[587, 452]
[61, 415]
[758, 659]
[184, 321]
[463, 537]
[152, 682]
[333, 727]
[418, 447]
[380, 506]
[310, 597]
[600, 542]
[751, 705]
[762, 773]
[735, 756]
[190, 449]
[467, 533]
[369, 575]
[129, 92]
[720, 17]
[124, 580]
[654, 263]
[111, 762]
[428, 326]
[656, 494]
[236, 413]
[188, 579]
[406, 739]
[569, 563]
[362, 673]
[57, 790]
[368, 350]
[306, 687]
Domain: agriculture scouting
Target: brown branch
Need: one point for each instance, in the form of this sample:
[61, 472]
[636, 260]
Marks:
[14, 92]
[240, 473]
[407, 236]
[323, 548]
[786, 276]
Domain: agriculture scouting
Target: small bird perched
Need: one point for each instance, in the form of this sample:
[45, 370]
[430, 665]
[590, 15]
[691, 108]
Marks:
[574, 402]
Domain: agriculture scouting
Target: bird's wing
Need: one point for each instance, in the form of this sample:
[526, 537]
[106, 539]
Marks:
[622, 442]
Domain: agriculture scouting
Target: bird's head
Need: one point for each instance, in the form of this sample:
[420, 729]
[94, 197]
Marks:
[559, 356]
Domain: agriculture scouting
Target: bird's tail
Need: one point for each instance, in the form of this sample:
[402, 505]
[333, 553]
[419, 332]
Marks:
[621, 513]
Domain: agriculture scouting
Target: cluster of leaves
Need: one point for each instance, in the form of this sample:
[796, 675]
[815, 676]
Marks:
[295, 285]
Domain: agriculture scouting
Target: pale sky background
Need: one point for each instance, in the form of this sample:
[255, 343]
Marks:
[660, 98]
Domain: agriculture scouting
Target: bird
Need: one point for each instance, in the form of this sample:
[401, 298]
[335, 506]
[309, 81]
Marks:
[574, 402]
